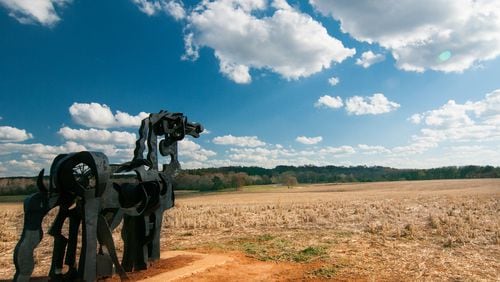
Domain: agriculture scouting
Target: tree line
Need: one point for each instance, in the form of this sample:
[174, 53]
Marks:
[234, 177]
[213, 179]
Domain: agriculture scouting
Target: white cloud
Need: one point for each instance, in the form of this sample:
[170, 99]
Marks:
[12, 134]
[309, 140]
[484, 112]
[236, 72]
[251, 35]
[100, 116]
[39, 151]
[148, 7]
[453, 122]
[374, 105]
[194, 152]
[172, 8]
[240, 141]
[449, 115]
[369, 150]
[28, 159]
[328, 101]
[442, 35]
[333, 80]
[21, 167]
[271, 157]
[117, 145]
[191, 50]
[369, 58]
[34, 11]
[98, 136]
[416, 118]
[175, 9]
[342, 150]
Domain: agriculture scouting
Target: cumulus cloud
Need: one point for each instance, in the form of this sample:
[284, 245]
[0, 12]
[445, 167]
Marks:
[12, 134]
[40, 11]
[480, 117]
[415, 118]
[148, 7]
[342, 150]
[39, 151]
[98, 136]
[172, 8]
[374, 105]
[28, 159]
[20, 167]
[175, 9]
[309, 140]
[448, 36]
[240, 141]
[274, 37]
[369, 58]
[194, 152]
[450, 115]
[477, 121]
[370, 150]
[333, 80]
[328, 101]
[273, 156]
[100, 116]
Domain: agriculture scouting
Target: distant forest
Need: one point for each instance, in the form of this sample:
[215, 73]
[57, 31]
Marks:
[212, 179]
[233, 177]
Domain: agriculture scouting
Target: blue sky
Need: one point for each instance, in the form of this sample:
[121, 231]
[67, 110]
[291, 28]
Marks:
[415, 84]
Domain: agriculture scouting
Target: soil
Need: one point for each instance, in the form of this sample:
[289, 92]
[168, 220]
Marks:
[238, 267]
[243, 268]
[163, 265]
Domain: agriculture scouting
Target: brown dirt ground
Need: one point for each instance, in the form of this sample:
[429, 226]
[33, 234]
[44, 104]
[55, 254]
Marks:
[240, 268]
[163, 265]
[243, 268]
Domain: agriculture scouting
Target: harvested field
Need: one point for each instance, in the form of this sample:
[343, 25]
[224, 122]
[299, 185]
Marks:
[422, 230]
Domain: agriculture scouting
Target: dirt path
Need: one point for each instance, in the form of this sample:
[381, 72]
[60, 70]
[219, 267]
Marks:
[175, 265]
[232, 266]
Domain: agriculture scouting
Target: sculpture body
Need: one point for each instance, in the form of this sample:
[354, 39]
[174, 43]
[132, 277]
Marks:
[81, 185]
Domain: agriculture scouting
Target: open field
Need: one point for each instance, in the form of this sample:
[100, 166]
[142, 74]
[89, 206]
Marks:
[422, 230]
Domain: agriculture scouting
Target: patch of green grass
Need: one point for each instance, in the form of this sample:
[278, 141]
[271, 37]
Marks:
[216, 246]
[177, 248]
[309, 254]
[265, 237]
[326, 271]
[270, 248]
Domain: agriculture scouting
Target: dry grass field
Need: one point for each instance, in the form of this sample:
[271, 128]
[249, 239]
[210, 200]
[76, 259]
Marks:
[422, 230]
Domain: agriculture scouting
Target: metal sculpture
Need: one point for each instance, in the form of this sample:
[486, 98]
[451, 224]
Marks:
[81, 185]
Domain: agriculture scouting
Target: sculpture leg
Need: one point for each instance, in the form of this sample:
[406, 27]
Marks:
[105, 237]
[23, 254]
[60, 242]
[35, 208]
[88, 254]
[129, 242]
[142, 254]
[154, 253]
[70, 260]
[135, 253]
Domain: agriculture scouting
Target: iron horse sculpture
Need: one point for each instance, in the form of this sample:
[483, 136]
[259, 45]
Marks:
[82, 186]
